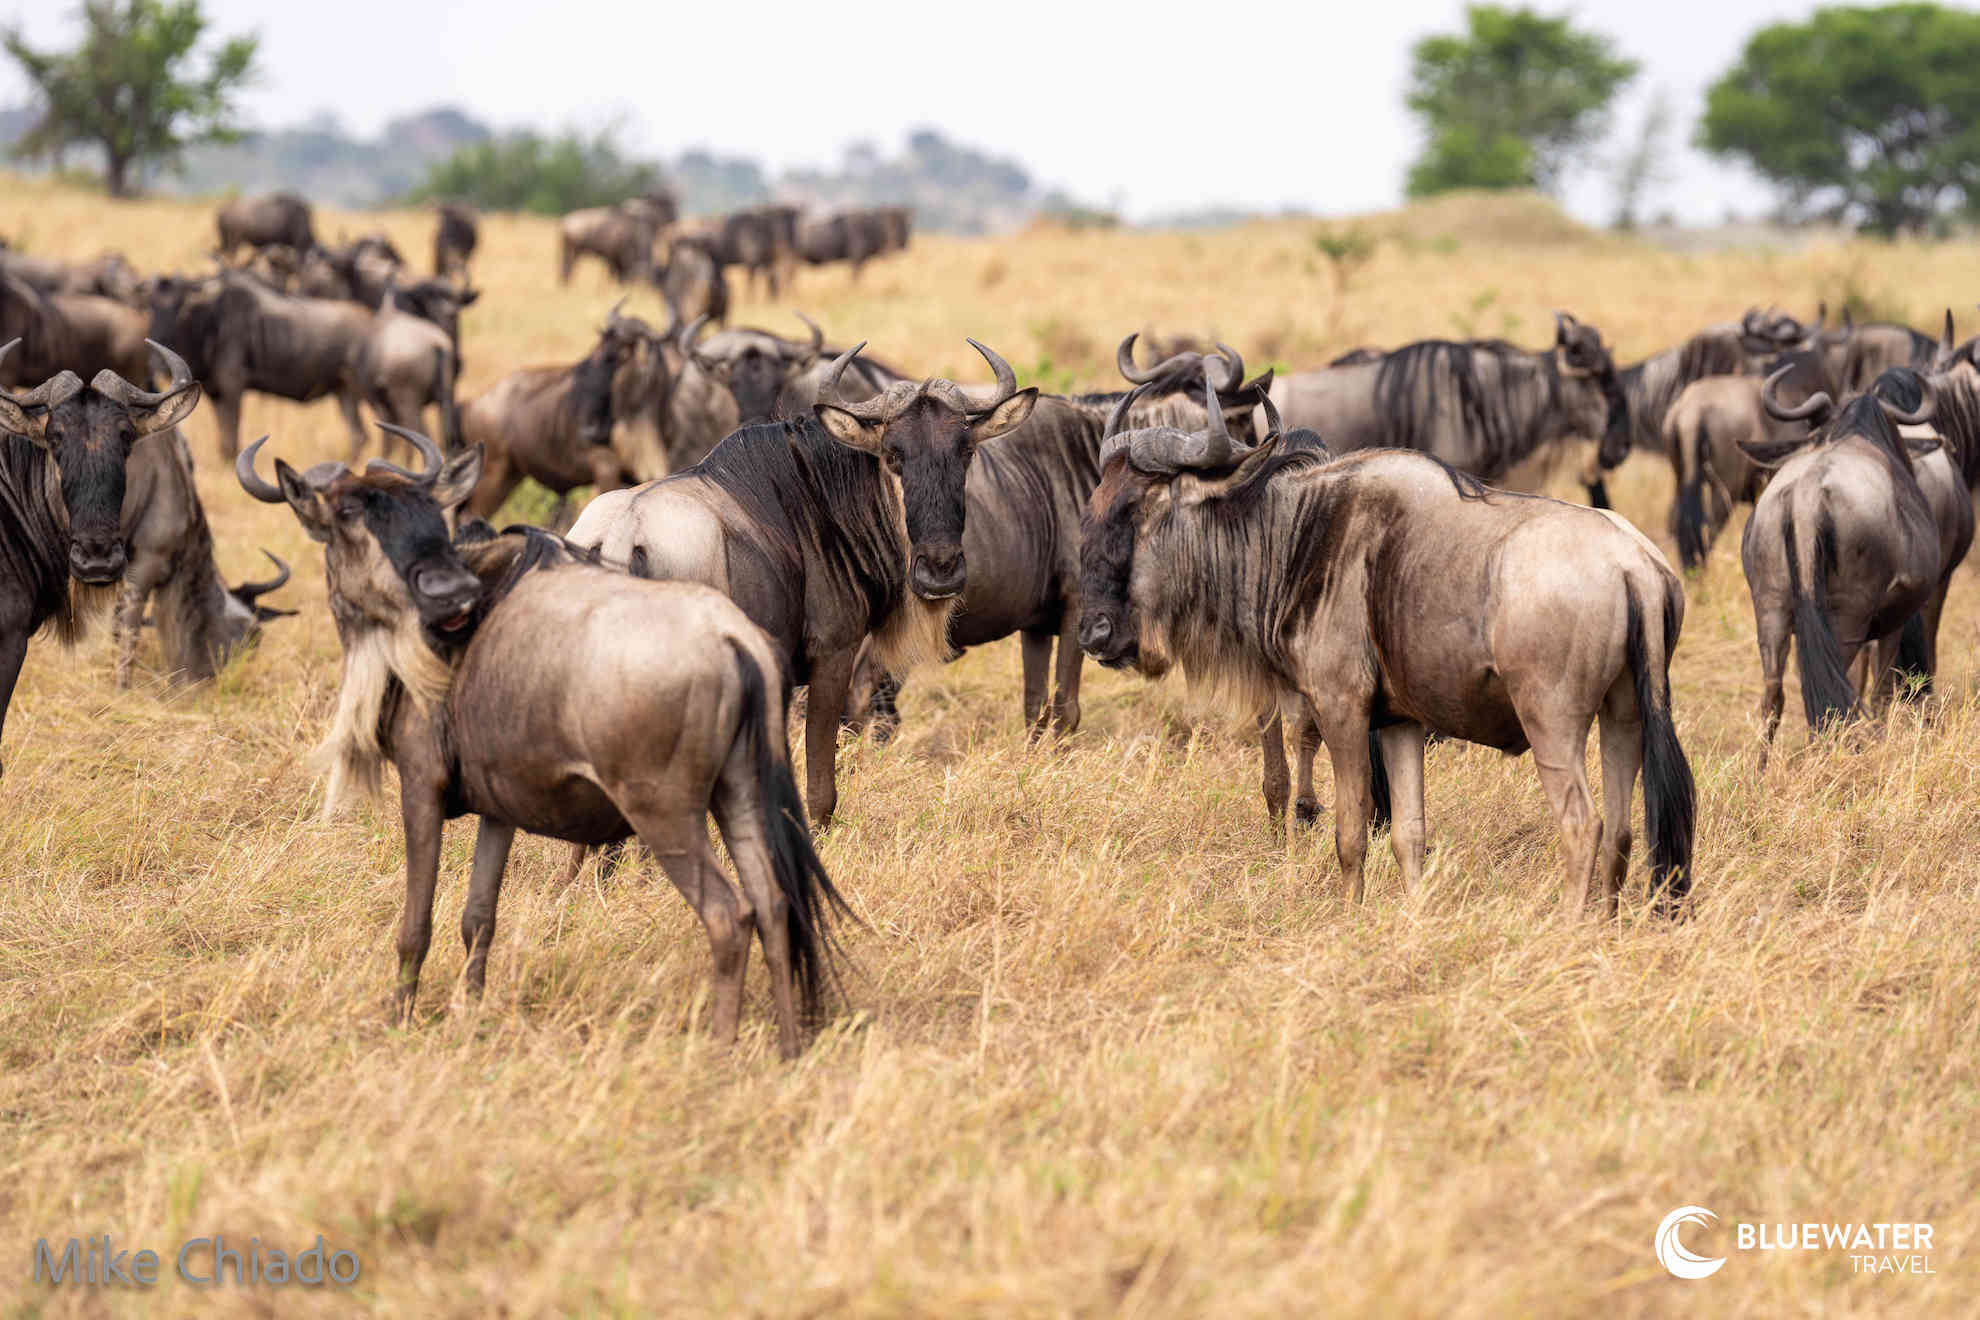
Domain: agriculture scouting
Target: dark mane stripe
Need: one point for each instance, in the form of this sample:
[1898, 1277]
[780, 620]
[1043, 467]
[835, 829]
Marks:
[1418, 387]
[34, 549]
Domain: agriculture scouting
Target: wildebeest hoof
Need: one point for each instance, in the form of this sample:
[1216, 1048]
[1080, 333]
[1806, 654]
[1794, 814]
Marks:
[1306, 812]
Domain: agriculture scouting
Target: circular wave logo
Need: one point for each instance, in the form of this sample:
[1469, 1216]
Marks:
[1678, 1258]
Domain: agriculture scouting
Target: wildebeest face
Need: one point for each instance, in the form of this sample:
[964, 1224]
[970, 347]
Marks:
[88, 434]
[1108, 528]
[1591, 389]
[756, 379]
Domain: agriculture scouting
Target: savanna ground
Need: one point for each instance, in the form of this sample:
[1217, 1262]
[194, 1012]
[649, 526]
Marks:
[1111, 1047]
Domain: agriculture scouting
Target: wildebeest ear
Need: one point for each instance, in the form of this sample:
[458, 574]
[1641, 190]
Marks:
[467, 299]
[848, 429]
[1005, 416]
[302, 497]
[457, 479]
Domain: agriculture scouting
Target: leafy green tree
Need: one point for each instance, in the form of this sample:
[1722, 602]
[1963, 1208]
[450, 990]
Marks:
[527, 172]
[1511, 102]
[130, 87]
[1871, 115]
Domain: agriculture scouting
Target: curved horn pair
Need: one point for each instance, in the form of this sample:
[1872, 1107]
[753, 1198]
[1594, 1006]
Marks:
[1167, 449]
[1814, 405]
[1927, 404]
[888, 405]
[47, 396]
[269, 493]
[146, 402]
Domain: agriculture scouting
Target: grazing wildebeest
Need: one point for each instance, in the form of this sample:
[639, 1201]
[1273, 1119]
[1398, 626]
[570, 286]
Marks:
[405, 365]
[455, 234]
[241, 335]
[62, 496]
[263, 221]
[851, 236]
[1708, 432]
[1841, 551]
[1027, 490]
[555, 424]
[201, 620]
[621, 236]
[1500, 413]
[825, 530]
[657, 703]
[1387, 591]
[757, 367]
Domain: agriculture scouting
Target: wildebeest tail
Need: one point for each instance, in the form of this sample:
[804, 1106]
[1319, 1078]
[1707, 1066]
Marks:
[1914, 667]
[1598, 494]
[443, 390]
[1827, 696]
[1691, 497]
[811, 901]
[1670, 798]
[1378, 783]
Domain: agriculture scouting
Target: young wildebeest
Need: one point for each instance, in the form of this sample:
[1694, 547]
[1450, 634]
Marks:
[1388, 591]
[657, 703]
[1498, 412]
[1708, 432]
[201, 620]
[555, 424]
[1842, 550]
[63, 446]
[825, 530]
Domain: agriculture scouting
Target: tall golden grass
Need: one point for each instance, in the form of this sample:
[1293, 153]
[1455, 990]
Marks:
[1111, 1047]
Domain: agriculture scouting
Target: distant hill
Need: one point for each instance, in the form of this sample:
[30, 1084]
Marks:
[952, 187]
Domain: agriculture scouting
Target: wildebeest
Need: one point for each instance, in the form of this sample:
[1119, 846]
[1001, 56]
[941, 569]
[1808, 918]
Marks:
[621, 236]
[504, 679]
[405, 365]
[1498, 412]
[826, 530]
[456, 231]
[241, 335]
[1872, 349]
[1841, 551]
[555, 425]
[852, 236]
[63, 446]
[271, 218]
[108, 275]
[759, 240]
[701, 410]
[757, 367]
[1387, 591]
[1027, 490]
[201, 620]
[691, 279]
[79, 332]
[1708, 432]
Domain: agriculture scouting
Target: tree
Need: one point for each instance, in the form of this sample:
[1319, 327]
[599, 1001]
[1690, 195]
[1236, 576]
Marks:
[1642, 164]
[1513, 102]
[549, 176]
[1869, 115]
[129, 88]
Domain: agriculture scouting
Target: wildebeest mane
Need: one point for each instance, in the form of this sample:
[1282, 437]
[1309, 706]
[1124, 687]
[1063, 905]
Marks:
[1654, 384]
[1955, 415]
[1416, 383]
[34, 549]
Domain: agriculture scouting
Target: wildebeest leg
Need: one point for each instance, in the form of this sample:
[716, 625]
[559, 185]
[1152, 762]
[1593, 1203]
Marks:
[13, 650]
[1037, 651]
[1771, 625]
[1065, 699]
[1402, 754]
[1346, 736]
[741, 814]
[1278, 780]
[824, 703]
[491, 857]
[680, 841]
[1621, 725]
[227, 417]
[129, 623]
[1560, 748]
[1306, 807]
[573, 864]
[419, 809]
[347, 403]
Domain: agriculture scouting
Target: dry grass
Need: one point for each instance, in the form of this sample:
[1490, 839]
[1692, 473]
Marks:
[1113, 1048]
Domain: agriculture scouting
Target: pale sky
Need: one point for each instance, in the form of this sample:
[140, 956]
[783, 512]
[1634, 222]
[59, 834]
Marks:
[1156, 109]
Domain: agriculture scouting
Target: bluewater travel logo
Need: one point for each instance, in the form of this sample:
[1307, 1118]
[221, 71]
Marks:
[1889, 1247]
[1678, 1258]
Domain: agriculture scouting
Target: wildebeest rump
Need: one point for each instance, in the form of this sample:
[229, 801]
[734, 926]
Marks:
[63, 447]
[1386, 591]
[845, 524]
[503, 679]
[263, 221]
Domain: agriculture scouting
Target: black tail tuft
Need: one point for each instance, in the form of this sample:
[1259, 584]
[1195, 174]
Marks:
[1598, 494]
[810, 898]
[1670, 798]
[1378, 783]
[1914, 665]
[1827, 696]
[1691, 505]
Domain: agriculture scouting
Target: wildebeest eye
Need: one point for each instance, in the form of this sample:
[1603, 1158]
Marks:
[349, 510]
[893, 459]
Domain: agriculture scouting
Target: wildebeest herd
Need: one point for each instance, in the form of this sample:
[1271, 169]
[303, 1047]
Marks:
[1356, 554]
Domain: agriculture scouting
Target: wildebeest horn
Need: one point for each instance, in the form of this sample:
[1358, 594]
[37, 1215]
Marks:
[612, 317]
[1119, 415]
[1272, 424]
[817, 336]
[1814, 404]
[428, 451]
[1927, 405]
[249, 592]
[47, 396]
[112, 386]
[1563, 322]
[828, 389]
[1124, 363]
[1946, 339]
[689, 335]
[1233, 368]
[251, 481]
[1217, 450]
[1006, 378]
